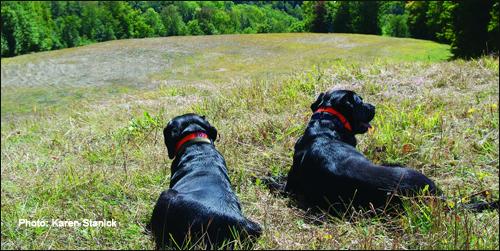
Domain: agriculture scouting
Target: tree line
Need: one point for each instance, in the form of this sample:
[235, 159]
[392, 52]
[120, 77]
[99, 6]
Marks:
[471, 27]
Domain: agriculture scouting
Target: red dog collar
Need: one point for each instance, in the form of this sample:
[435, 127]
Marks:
[336, 114]
[189, 137]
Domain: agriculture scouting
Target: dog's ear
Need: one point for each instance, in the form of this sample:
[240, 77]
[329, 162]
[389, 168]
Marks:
[168, 135]
[212, 133]
[318, 101]
[347, 102]
[343, 98]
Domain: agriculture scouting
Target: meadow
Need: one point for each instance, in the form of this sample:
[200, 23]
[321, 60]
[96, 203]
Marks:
[81, 134]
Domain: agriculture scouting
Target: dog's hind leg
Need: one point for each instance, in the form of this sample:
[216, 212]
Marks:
[481, 206]
[158, 224]
[275, 184]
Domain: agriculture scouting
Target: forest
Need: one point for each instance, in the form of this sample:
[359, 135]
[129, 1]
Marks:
[470, 27]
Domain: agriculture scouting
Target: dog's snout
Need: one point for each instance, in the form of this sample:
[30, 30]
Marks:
[371, 107]
[370, 111]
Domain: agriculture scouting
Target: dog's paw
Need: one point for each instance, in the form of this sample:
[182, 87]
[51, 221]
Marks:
[275, 184]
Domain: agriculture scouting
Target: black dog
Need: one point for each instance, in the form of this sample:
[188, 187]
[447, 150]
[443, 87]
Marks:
[200, 204]
[330, 173]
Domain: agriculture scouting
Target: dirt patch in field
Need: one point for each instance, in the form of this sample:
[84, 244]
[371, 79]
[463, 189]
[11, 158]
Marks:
[95, 68]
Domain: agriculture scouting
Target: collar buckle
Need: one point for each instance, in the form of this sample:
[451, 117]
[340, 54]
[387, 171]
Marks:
[336, 114]
[195, 137]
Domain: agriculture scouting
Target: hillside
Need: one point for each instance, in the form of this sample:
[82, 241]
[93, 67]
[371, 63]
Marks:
[126, 65]
[81, 133]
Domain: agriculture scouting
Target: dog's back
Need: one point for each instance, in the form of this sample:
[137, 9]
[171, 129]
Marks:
[330, 173]
[200, 208]
[181, 221]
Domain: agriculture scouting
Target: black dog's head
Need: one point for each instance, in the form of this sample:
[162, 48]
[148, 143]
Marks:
[349, 104]
[183, 125]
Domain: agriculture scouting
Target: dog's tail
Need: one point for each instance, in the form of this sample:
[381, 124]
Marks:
[473, 203]
[243, 231]
[275, 183]
[481, 206]
[252, 229]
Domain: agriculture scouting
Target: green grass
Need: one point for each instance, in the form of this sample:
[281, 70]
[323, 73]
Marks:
[60, 78]
[96, 151]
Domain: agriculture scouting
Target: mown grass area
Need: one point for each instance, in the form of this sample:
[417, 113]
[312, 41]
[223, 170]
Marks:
[57, 79]
[101, 155]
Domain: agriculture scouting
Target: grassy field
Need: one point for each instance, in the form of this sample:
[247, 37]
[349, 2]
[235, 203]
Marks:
[82, 134]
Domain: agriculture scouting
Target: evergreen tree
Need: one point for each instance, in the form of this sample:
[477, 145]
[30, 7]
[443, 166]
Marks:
[105, 26]
[471, 19]
[90, 20]
[10, 30]
[69, 30]
[365, 15]
[319, 19]
[342, 21]
[416, 11]
[470, 27]
[204, 18]
[493, 31]
[5, 46]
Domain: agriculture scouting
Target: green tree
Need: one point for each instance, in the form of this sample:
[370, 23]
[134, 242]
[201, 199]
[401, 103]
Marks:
[416, 11]
[319, 19]
[194, 28]
[57, 8]
[5, 46]
[493, 31]
[274, 21]
[172, 21]
[395, 26]
[222, 22]
[342, 21]
[249, 17]
[142, 6]
[69, 30]
[74, 8]
[392, 20]
[153, 20]
[90, 20]
[235, 15]
[188, 9]
[139, 27]
[204, 18]
[49, 38]
[440, 21]
[122, 13]
[10, 29]
[297, 27]
[105, 26]
[365, 17]
[28, 30]
[471, 19]
[34, 26]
